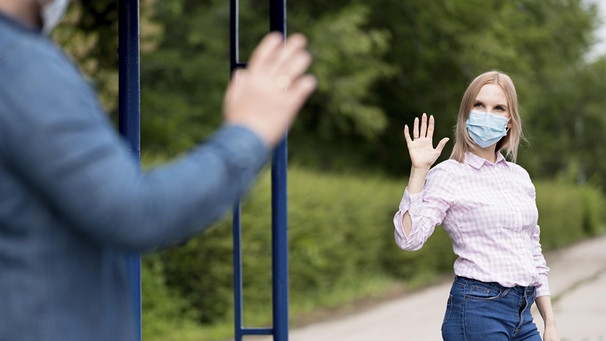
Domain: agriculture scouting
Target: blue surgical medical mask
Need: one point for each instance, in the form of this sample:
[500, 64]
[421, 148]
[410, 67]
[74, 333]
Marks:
[485, 128]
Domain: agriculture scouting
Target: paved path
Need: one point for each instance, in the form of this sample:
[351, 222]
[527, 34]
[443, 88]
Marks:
[577, 282]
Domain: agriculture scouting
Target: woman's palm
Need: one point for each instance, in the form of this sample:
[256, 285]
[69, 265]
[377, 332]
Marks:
[420, 146]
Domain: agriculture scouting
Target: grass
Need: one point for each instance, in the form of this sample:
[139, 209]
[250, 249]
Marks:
[352, 297]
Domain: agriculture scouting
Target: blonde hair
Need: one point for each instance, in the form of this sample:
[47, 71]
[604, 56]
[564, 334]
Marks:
[509, 143]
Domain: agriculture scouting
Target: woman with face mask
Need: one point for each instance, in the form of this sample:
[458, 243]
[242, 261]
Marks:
[487, 206]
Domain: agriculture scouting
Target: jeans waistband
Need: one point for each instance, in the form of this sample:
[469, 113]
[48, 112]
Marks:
[522, 290]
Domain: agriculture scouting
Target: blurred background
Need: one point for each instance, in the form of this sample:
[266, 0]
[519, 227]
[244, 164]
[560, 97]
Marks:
[379, 64]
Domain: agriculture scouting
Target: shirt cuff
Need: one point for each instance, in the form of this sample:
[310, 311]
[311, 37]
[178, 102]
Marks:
[410, 203]
[242, 146]
[543, 288]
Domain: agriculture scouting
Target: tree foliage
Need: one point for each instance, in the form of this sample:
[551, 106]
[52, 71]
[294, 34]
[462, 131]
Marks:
[379, 64]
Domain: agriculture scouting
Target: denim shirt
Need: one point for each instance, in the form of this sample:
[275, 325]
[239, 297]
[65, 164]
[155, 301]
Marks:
[74, 202]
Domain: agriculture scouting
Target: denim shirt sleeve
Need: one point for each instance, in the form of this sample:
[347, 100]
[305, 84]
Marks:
[55, 135]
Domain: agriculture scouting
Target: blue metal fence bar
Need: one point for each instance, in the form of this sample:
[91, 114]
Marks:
[279, 206]
[279, 168]
[280, 242]
[234, 35]
[234, 39]
[129, 119]
[238, 296]
[239, 329]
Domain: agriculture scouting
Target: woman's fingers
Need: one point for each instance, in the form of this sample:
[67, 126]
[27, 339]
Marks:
[442, 144]
[430, 126]
[423, 132]
[426, 127]
[407, 134]
[426, 130]
[420, 147]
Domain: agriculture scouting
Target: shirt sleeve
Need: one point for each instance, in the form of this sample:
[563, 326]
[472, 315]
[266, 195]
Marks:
[55, 135]
[537, 251]
[427, 209]
[541, 264]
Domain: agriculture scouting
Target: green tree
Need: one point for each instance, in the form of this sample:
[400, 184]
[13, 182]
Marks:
[345, 113]
[89, 34]
[441, 45]
[379, 64]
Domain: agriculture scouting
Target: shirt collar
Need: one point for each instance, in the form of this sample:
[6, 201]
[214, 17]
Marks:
[477, 162]
[8, 20]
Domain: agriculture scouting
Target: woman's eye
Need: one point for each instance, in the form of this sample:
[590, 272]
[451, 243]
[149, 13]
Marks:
[499, 108]
[477, 105]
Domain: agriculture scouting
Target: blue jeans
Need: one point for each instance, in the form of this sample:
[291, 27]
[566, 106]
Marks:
[489, 312]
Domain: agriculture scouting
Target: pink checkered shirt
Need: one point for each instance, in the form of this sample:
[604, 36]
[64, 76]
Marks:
[489, 211]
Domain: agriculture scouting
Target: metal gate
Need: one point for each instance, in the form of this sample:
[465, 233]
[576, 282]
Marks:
[129, 125]
[277, 22]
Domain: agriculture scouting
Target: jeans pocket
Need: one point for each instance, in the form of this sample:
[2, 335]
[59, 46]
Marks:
[484, 292]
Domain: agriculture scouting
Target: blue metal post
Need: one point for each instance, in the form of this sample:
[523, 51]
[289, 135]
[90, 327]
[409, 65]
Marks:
[129, 110]
[239, 329]
[238, 295]
[280, 242]
[279, 168]
[279, 208]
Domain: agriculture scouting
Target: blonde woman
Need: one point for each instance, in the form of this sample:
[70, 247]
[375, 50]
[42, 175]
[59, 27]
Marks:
[487, 206]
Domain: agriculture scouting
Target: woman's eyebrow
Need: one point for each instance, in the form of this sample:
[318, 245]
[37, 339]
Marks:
[477, 101]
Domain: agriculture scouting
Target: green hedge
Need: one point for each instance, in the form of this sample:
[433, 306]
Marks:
[340, 235]
[568, 213]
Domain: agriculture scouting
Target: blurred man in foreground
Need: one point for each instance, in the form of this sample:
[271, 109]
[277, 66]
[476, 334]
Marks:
[73, 202]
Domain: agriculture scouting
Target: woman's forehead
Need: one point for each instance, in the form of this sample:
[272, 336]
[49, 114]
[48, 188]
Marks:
[492, 93]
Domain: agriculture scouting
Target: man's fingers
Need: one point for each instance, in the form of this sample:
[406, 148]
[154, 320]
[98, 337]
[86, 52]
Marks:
[292, 62]
[276, 55]
[295, 66]
[283, 62]
[233, 89]
[302, 88]
[293, 45]
[267, 52]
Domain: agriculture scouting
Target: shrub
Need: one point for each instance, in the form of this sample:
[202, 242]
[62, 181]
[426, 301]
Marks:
[166, 315]
[594, 214]
[340, 233]
[567, 213]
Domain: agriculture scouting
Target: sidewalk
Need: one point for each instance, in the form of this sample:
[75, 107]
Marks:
[577, 282]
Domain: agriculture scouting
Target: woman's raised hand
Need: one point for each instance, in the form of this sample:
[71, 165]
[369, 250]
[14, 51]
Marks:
[420, 146]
